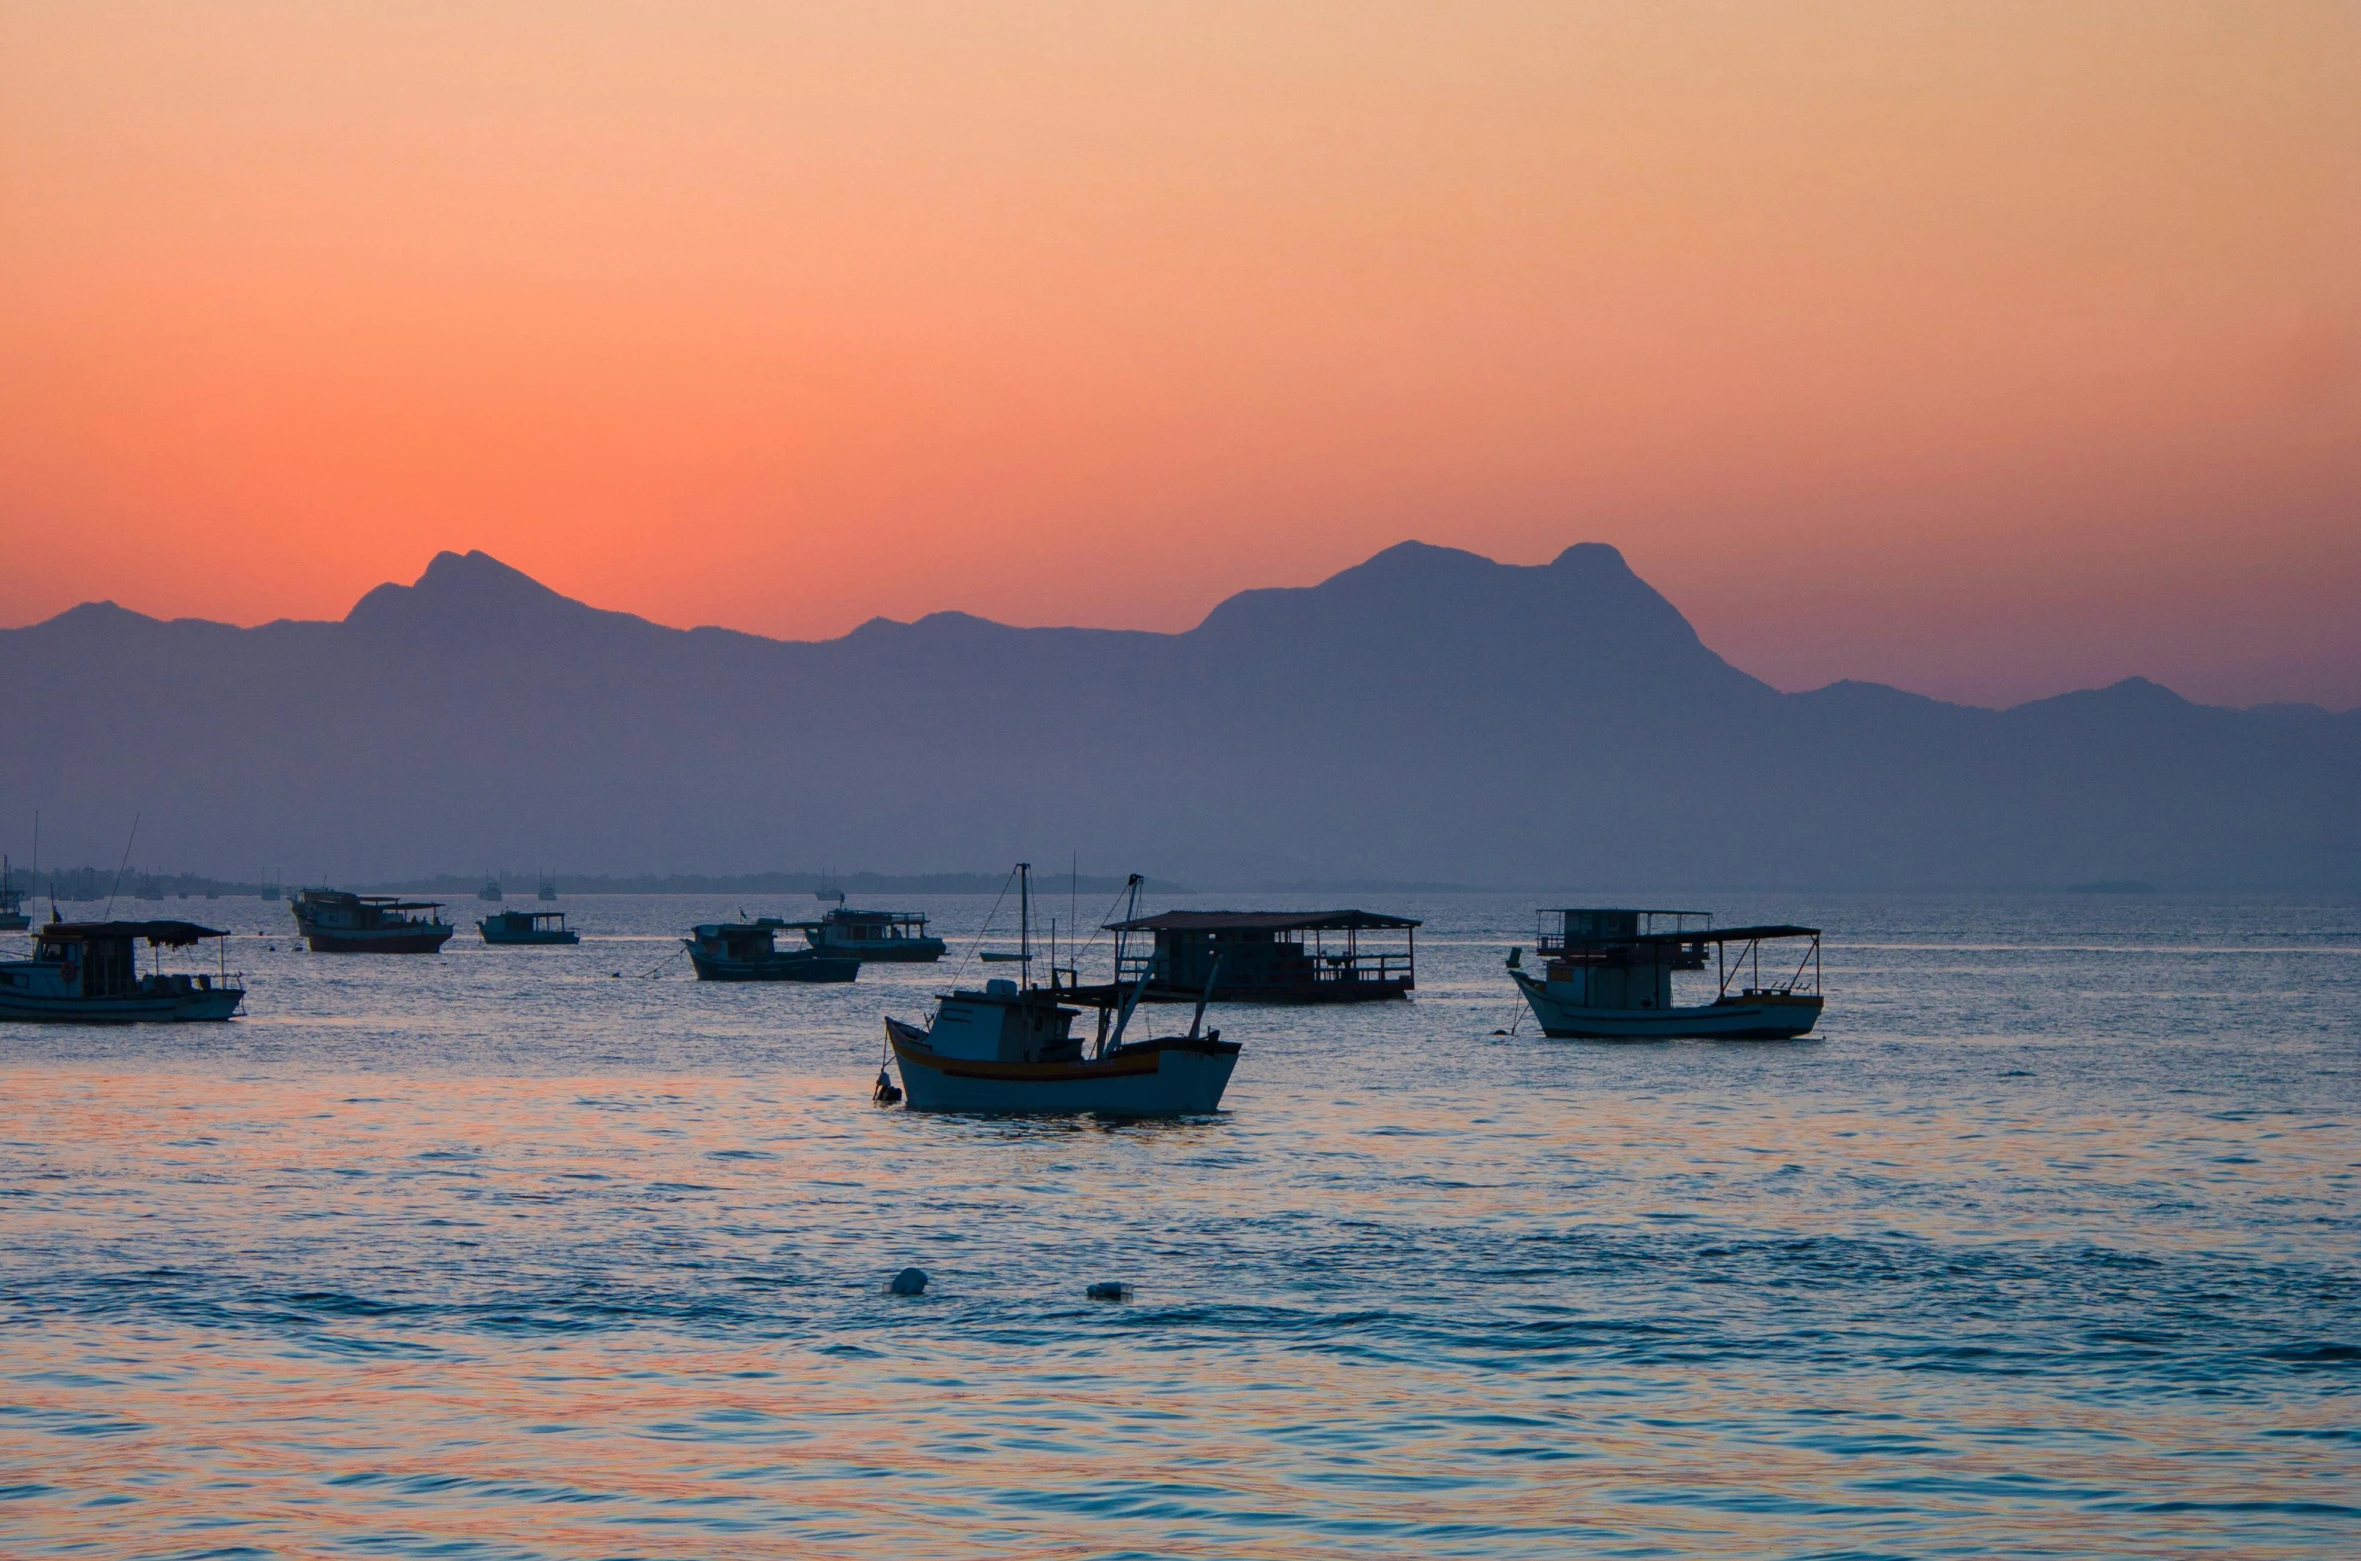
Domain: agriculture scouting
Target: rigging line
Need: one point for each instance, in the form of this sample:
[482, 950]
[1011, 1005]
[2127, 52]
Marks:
[986, 930]
[126, 862]
[1109, 916]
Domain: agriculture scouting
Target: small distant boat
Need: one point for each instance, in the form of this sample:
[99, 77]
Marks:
[1009, 1047]
[548, 892]
[1607, 975]
[12, 903]
[749, 951]
[490, 891]
[334, 922]
[830, 891]
[527, 927]
[883, 936]
[87, 972]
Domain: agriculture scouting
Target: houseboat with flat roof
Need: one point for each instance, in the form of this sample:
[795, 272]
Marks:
[892, 937]
[1268, 956]
[88, 972]
[1608, 974]
[749, 951]
[1009, 1046]
[527, 927]
[334, 922]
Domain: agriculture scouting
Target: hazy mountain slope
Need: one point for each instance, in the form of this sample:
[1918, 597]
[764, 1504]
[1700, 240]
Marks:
[1426, 714]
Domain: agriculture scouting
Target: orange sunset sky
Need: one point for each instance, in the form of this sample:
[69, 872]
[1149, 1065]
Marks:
[1989, 349]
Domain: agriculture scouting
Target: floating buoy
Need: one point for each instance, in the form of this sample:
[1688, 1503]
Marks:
[885, 1094]
[1109, 1290]
[910, 1281]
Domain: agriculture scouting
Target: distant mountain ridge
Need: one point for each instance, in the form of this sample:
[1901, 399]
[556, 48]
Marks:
[1427, 715]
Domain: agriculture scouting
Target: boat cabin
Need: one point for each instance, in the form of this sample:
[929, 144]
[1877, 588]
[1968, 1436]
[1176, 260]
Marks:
[1616, 957]
[100, 959]
[527, 927]
[751, 941]
[1268, 956]
[1004, 1023]
[886, 935]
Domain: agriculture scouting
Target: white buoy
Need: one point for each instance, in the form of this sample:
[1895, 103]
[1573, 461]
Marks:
[910, 1281]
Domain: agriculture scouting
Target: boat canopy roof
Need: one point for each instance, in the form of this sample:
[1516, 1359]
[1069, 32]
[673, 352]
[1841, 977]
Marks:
[1262, 921]
[176, 934]
[1707, 935]
[1615, 910]
[384, 902]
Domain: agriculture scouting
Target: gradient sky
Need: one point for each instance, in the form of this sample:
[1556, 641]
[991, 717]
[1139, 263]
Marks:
[1988, 349]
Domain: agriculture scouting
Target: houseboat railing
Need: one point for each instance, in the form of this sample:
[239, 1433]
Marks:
[1130, 968]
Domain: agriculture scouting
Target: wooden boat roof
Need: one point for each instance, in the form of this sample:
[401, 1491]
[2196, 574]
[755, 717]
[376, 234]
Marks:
[384, 902]
[1262, 921]
[1705, 935]
[175, 934]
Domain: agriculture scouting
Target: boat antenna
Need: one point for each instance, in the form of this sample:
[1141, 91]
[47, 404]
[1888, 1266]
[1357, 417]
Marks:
[126, 862]
[1025, 920]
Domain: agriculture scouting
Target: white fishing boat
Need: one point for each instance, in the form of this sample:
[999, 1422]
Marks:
[1010, 1047]
[881, 937]
[1607, 975]
[87, 972]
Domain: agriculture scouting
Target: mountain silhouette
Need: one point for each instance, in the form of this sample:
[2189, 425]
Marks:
[1428, 714]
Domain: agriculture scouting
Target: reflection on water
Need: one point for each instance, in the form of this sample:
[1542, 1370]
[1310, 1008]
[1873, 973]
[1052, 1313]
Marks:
[2046, 1248]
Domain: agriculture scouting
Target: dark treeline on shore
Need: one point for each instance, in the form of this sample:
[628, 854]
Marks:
[98, 883]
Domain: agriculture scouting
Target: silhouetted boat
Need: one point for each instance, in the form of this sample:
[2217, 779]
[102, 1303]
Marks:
[749, 951]
[1266, 956]
[885, 936]
[1607, 975]
[87, 972]
[334, 922]
[490, 891]
[1009, 1047]
[830, 891]
[12, 903]
[548, 892]
[527, 927]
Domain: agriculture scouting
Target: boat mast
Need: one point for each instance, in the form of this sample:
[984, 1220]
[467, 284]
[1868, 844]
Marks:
[1025, 920]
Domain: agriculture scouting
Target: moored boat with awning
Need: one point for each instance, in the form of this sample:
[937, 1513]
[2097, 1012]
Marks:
[87, 972]
[1607, 974]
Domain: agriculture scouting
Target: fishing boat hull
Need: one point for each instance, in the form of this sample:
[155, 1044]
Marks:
[197, 1005]
[533, 939]
[1764, 1016]
[1177, 1076]
[787, 966]
[14, 921]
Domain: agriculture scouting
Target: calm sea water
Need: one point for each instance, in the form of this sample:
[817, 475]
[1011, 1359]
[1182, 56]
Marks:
[2046, 1246]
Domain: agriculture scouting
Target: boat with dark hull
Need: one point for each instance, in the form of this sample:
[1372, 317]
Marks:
[749, 951]
[1607, 975]
[87, 972]
[505, 928]
[12, 903]
[1009, 1047]
[884, 937]
[334, 922]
